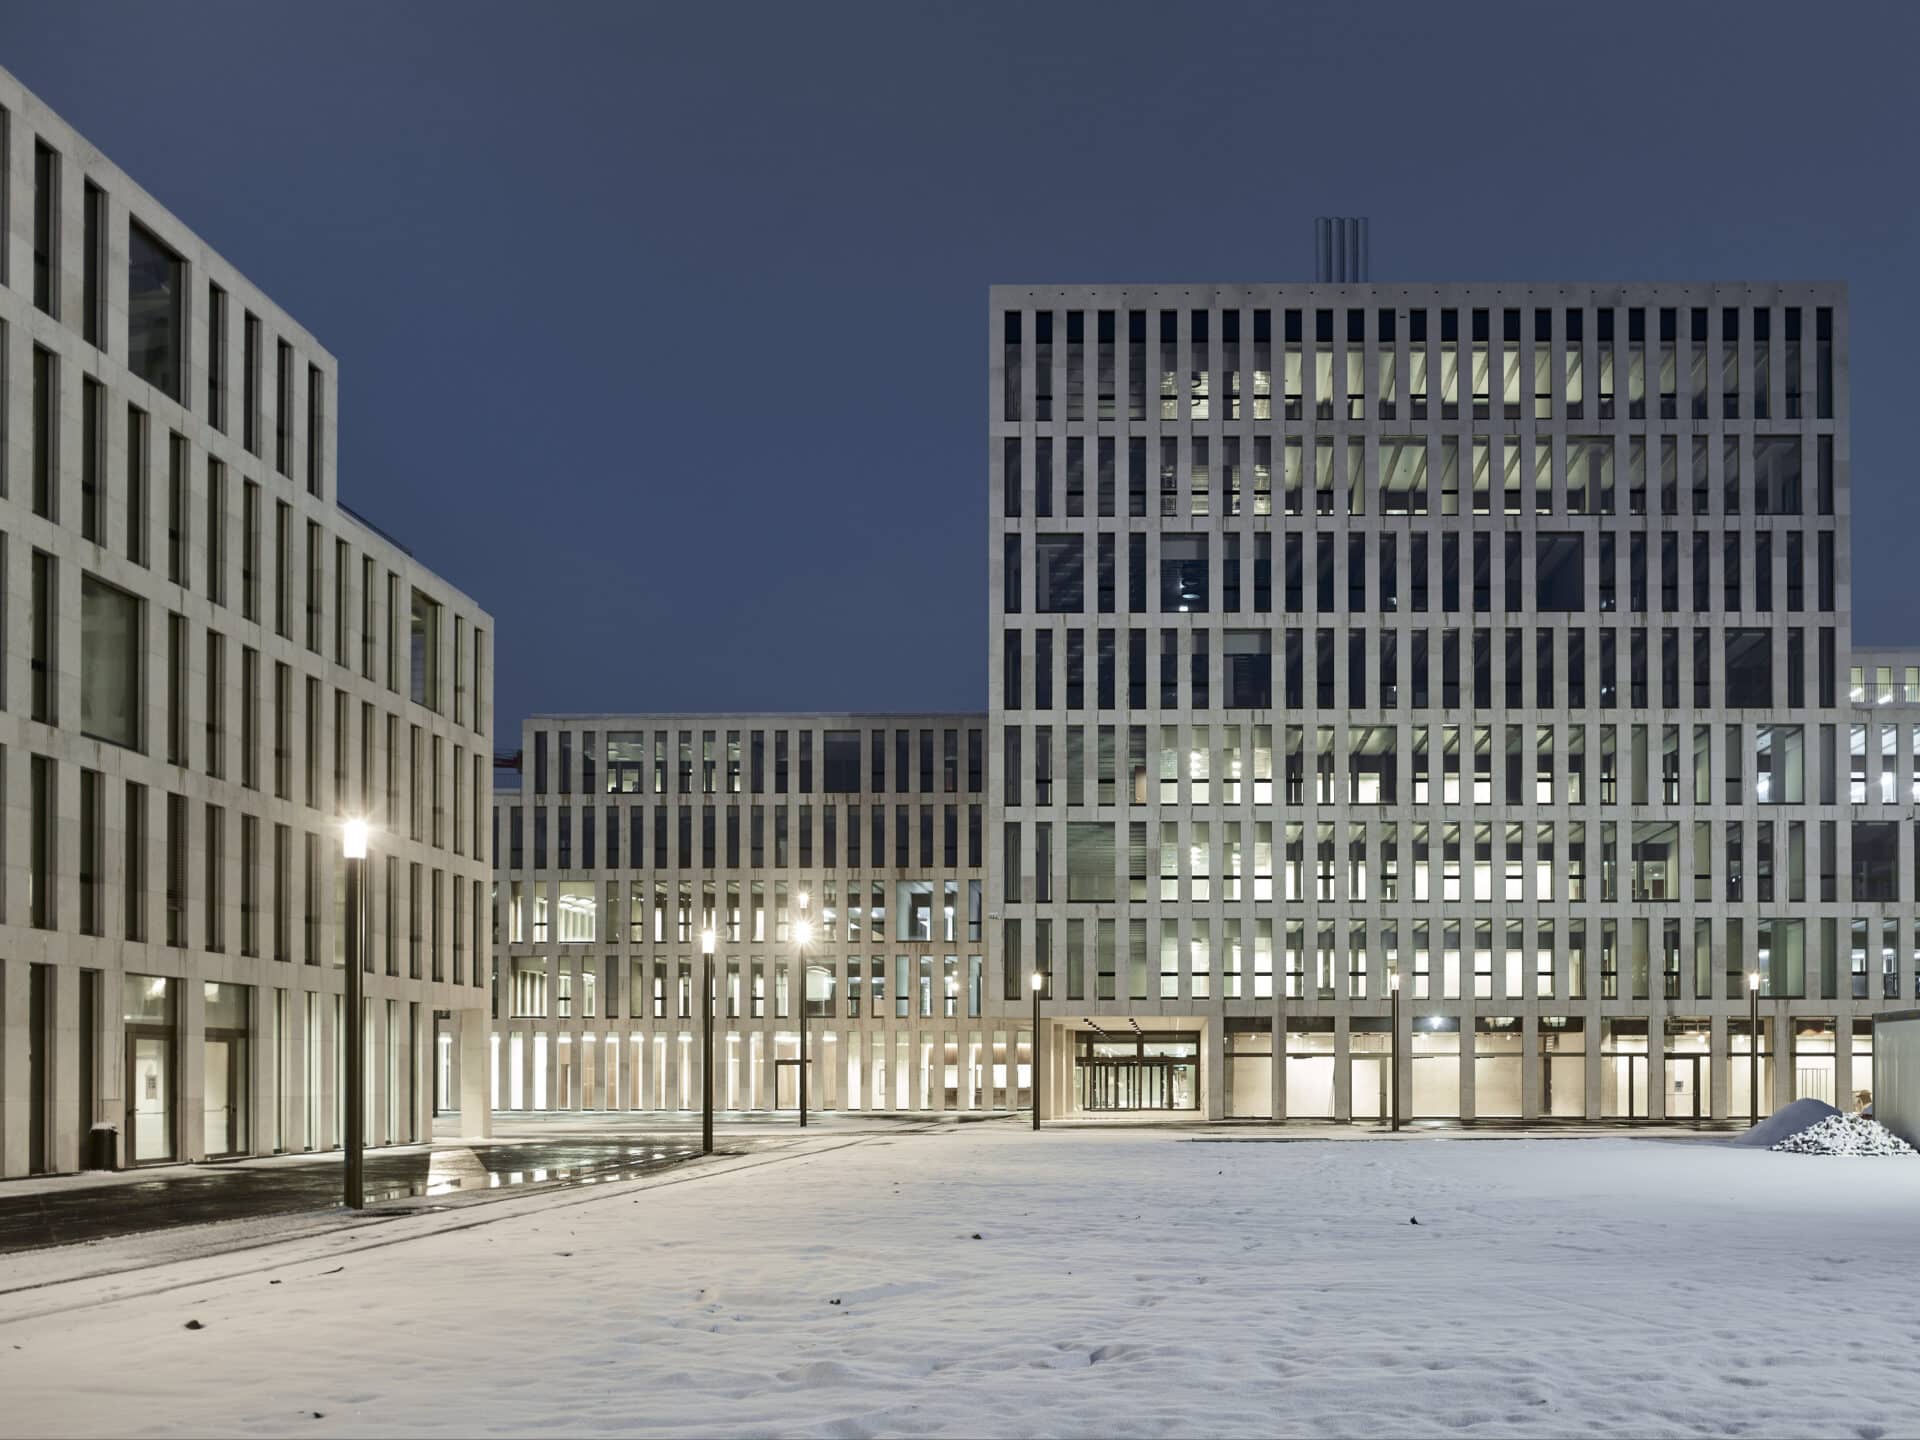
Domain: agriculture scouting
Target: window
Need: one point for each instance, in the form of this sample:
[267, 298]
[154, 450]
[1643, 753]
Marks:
[283, 408]
[155, 276]
[1059, 566]
[1779, 765]
[425, 651]
[46, 428]
[1876, 852]
[46, 231]
[1559, 572]
[110, 651]
[93, 261]
[1249, 669]
[217, 357]
[316, 430]
[1183, 574]
[250, 382]
[842, 760]
[1749, 669]
[1089, 860]
[577, 912]
[44, 659]
[1776, 474]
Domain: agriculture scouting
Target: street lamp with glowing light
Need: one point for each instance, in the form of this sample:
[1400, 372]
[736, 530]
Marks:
[707, 939]
[1038, 981]
[803, 937]
[1393, 1047]
[353, 848]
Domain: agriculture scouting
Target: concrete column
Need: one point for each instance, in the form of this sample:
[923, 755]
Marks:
[15, 980]
[1780, 1026]
[1469, 1040]
[1595, 1037]
[1657, 1063]
[1213, 1066]
[1278, 1080]
[476, 1115]
[1844, 1083]
[261, 1098]
[112, 1055]
[190, 1018]
[65, 1134]
[1530, 1066]
[1342, 1070]
[296, 1076]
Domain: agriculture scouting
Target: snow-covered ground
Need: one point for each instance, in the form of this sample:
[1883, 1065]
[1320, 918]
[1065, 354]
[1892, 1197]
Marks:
[983, 1280]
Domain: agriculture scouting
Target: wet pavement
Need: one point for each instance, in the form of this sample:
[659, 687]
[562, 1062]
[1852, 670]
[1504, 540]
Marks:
[199, 1194]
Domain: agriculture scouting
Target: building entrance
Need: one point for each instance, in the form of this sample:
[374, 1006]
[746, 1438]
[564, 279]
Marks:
[1138, 1072]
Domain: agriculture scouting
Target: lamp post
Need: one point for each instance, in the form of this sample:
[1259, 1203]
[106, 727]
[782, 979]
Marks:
[803, 934]
[1038, 981]
[1393, 1047]
[353, 847]
[1753, 1048]
[706, 1048]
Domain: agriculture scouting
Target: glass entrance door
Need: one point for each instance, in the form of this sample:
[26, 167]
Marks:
[219, 1098]
[149, 1096]
[1686, 1087]
[1147, 1072]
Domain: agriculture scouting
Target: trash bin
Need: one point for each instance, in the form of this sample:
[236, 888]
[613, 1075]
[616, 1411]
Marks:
[103, 1147]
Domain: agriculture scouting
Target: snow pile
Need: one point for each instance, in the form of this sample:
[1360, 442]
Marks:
[1787, 1121]
[1845, 1135]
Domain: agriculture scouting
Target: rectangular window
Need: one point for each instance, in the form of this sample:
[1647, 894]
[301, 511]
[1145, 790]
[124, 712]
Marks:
[46, 229]
[250, 382]
[93, 264]
[316, 430]
[217, 357]
[155, 287]
[46, 431]
[424, 639]
[283, 408]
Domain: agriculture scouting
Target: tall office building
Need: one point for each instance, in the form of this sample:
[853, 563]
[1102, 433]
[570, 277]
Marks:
[845, 848]
[213, 663]
[1490, 638]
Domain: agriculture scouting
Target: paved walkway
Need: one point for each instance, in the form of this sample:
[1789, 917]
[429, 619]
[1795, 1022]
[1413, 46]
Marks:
[65, 1210]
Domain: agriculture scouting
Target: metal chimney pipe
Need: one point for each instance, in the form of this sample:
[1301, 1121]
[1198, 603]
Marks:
[1342, 249]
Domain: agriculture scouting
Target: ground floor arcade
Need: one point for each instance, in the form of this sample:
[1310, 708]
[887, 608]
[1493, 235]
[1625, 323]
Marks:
[1277, 1067]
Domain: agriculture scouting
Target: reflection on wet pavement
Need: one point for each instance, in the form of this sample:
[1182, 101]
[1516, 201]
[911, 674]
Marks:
[197, 1194]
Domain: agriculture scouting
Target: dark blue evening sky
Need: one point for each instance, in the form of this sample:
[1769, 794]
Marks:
[662, 328]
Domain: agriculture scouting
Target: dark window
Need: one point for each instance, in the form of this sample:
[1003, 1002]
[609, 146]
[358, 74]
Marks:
[1876, 854]
[1749, 668]
[1059, 578]
[1249, 666]
[841, 754]
[1776, 474]
[1559, 572]
[46, 211]
[154, 279]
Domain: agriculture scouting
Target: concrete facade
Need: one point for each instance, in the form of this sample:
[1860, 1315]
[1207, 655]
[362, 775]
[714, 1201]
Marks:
[1494, 637]
[209, 663]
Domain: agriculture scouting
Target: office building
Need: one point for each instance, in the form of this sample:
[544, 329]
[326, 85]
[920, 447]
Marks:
[213, 663]
[849, 848]
[1493, 638]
